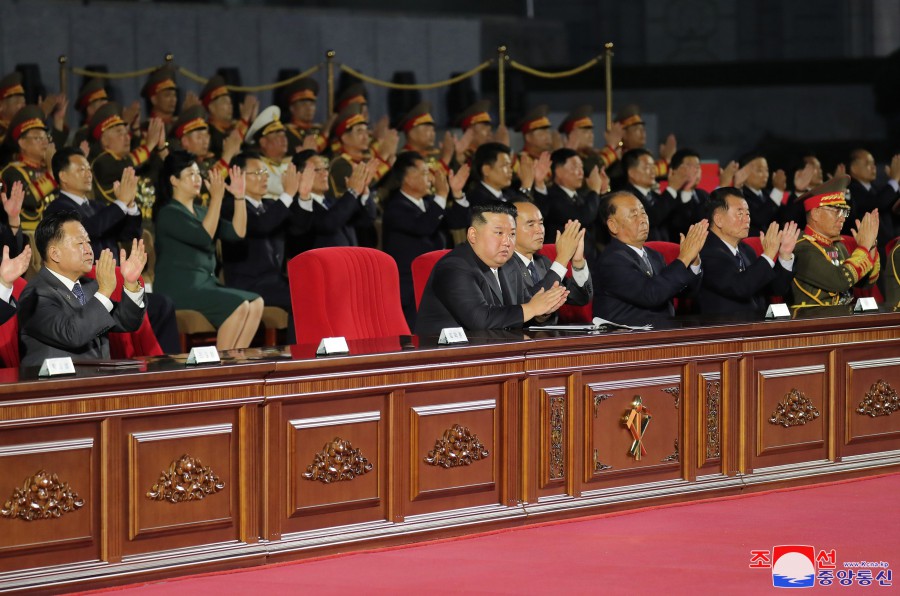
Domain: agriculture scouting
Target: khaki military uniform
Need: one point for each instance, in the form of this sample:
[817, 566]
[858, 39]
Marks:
[825, 272]
[39, 187]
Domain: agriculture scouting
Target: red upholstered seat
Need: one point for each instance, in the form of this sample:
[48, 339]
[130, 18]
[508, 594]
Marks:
[9, 333]
[569, 313]
[421, 269]
[349, 292]
[669, 252]
[136, 343]
[754, 243]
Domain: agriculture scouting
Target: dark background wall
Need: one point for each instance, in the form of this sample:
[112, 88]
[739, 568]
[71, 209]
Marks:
[725, 76]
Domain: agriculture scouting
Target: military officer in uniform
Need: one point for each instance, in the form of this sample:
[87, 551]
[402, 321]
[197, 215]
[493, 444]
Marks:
[352, 130]
[217, 100]
[578, 129]
[269, 134]
[192, 131]
[825, 272]
[634, 136]
[12, 99]
[418, 126]
[91, 97]
[477, 126]
[31, 167]
[161, 94]
[113, 154]
[303, 131]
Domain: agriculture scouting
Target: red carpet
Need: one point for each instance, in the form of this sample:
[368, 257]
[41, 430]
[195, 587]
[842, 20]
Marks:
[698, 548]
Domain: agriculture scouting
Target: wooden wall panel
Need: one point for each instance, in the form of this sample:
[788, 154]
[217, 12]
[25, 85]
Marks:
[59, 477]
[791, 407]
[872, 405]
[332, 431]
[441, 426]
[169, 457]
[608, 402]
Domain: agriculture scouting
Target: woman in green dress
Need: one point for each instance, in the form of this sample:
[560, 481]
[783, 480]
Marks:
[186, 234]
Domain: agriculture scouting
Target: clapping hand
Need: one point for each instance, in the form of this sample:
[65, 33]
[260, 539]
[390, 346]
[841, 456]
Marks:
[131, 267]
[11, 269]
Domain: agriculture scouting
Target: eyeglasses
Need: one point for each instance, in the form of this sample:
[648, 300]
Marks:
[839, 212]
[260, 172]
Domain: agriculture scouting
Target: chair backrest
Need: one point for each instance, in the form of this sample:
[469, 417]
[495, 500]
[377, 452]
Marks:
[421, 269]
[9, 333]
[141, 342]
[569, 313]
[754, 243]
[350, 292]
[669, 250]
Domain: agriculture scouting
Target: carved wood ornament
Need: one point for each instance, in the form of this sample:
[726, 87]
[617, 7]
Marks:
[713, 397]
[458, 447]
[42, 496]
[337, 461]
[794, 410]
[880, 400]
[187, 479]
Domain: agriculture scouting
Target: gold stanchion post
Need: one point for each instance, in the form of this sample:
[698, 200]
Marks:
[607, 66]
[329, 61]
[501, 84]
[62, 74]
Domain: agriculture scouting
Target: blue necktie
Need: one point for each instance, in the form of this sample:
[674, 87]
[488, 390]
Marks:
[79, 293]
[740, 260]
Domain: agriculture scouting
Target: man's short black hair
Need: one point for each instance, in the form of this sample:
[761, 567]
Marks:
[405, 161]
[486, 155]
[607, 207]
[478, 211]
[240, 160]
[679, 156]
[718, 199]
[61, 160]
[50, 229]
[559, 158]
[631, 158]
[748, 157]
[300, 159]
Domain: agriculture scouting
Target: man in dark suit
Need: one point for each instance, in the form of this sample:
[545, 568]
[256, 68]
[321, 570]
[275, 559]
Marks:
[565, 201]
[865, 197]
[536, 270]
[256, 262]
[690, 201]
[640, 173]
[108, 224]
[735, 280]
[471, 288]
[492, 176]
[635, 286]
[413, 219]
[333, 220]
[63, 314]
[10, 270]
[764, 202]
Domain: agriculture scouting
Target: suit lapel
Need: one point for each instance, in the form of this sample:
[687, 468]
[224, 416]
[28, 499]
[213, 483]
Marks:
[493, 285]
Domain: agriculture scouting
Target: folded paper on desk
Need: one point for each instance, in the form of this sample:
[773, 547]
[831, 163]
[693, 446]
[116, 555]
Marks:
[598, 325]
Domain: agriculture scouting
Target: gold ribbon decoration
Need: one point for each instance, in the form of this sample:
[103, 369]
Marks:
[637, 421]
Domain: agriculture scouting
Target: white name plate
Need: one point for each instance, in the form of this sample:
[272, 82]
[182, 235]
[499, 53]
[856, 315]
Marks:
[778, 311]
[332, 345]
[54, 367]
[453, 335]
[865, 304]
[203, 355]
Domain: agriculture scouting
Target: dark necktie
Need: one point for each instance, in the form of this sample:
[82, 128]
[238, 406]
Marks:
[329, 201]
[532, 274]
[648, 267]
[79, 293]
[740, 260]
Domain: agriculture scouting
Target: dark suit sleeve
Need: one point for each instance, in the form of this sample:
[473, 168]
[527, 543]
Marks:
[578, 295]
[259, 225]
[457, 287]
[366, 212]
[127, 315]
[15, 242]
[624, 279]
[329, 221]
[44, 316]
[402, 216]
[723, 278]
[7, 311]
